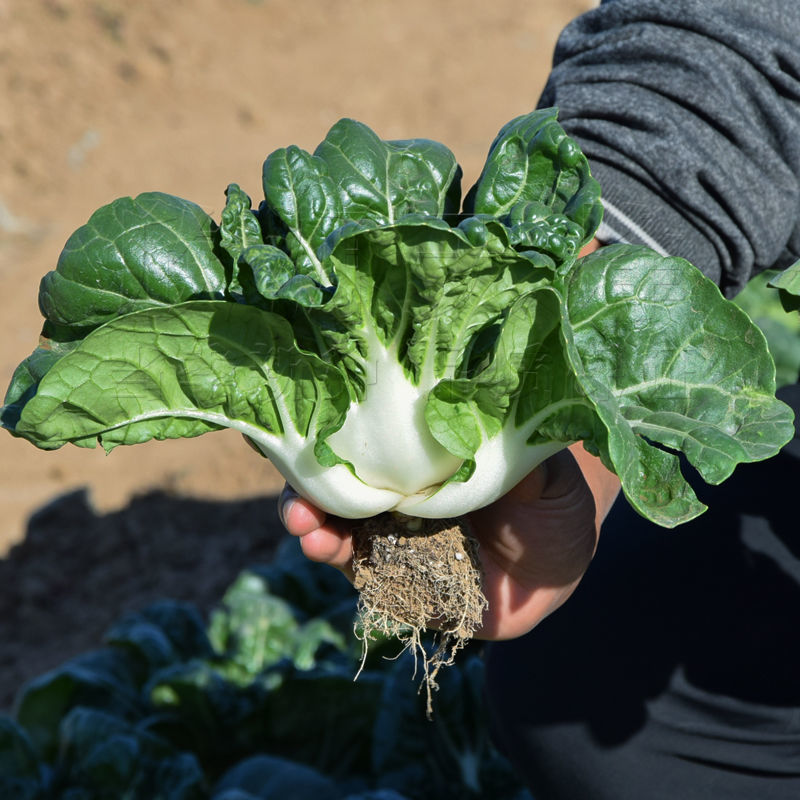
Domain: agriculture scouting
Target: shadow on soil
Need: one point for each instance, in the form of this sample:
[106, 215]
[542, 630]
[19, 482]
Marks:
[76, 571]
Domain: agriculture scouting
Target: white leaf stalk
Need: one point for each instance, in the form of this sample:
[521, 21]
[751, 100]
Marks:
[397, 463]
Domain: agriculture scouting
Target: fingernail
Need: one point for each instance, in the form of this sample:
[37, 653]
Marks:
[285, 502]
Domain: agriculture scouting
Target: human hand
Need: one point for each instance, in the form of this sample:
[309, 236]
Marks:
[535, 542]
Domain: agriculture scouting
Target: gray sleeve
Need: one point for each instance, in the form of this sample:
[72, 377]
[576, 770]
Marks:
[689, 112]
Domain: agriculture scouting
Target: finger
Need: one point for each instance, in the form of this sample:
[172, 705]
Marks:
[322, 538]
[329, 546]
[299, 517]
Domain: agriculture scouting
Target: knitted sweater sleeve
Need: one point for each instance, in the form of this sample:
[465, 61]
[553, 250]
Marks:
[689, 112]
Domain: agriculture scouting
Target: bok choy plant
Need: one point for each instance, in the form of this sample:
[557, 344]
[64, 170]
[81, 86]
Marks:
[391, 350]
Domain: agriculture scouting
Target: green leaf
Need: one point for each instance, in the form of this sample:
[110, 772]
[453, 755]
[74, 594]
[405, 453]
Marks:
[300, 721]
[150, 251]
[201, 710]
[450, 755]
[98, 748]
[555, 235]
[109, 757]
[534, 169]
[99, 679]
[783, 340]
[383, 181]
[270, 777]
[424, 291]
[312, 639]
[161, 634]
[762, 303]
[462, 412]
[788, 284]
[234, 794]
[300, 194]
[186, 369]
[26, 377]
[239, 229]
[20, 770]
[312, 589]
[253, 628]
[267, 273]
[665, 359]
[322, 600]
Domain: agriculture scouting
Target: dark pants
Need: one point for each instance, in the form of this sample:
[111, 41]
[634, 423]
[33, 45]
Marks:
[673, 673]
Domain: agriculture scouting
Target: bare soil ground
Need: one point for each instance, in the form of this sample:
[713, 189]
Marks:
[104, 98]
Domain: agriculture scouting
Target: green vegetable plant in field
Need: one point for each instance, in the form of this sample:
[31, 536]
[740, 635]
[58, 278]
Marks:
[259, 704]
[360, 306]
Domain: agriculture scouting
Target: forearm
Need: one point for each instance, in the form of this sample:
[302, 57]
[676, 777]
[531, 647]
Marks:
[689, 113]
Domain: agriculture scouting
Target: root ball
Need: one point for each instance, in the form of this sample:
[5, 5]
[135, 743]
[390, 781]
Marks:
[413, 574]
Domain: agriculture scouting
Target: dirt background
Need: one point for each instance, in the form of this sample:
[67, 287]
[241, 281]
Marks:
[105, 98]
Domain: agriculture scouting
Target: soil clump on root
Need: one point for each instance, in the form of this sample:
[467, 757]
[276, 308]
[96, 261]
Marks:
[413, 574]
